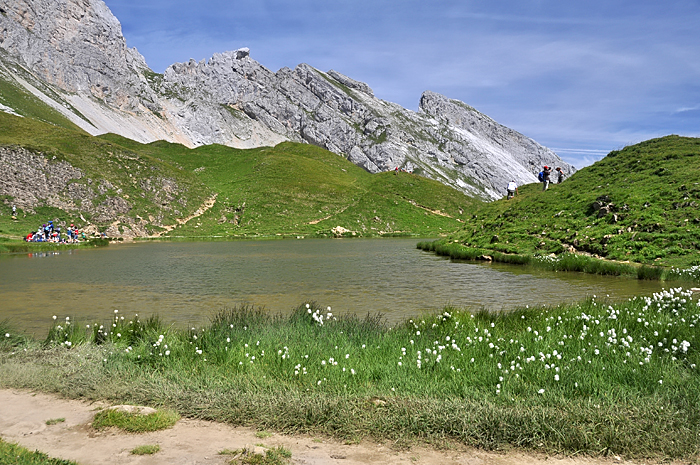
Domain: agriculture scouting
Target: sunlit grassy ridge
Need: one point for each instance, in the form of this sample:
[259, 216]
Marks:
[594, 377]
[100, 161]
[298, 189]
[650, 194]
[288, 190]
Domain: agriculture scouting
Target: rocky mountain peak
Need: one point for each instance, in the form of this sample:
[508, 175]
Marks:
[76, 45]
[351, 83]
[78, 61]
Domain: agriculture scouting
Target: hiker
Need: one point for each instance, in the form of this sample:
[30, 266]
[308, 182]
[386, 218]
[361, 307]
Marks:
[512, 190]
[396, 171]
[14, 211]
[560, 175]
[546, 172]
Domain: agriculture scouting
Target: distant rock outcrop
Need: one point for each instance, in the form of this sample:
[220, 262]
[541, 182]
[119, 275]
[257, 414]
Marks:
[72, 55]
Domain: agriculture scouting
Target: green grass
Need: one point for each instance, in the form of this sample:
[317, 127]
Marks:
[16, 246]
[273, 456]
[17, 455]
[109, 171]
[593, 378]
[148, 449]
[289, 190]
[135, 423]
[55, 421]
[653, 193]
[298, 189]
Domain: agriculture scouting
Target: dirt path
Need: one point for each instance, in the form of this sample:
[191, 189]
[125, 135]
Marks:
[23, 417]
[199, 212]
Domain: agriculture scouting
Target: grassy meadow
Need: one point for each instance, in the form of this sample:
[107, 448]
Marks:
[109, 170]
[593, 378]
[298, 189]
[639, 204]
[289, 190]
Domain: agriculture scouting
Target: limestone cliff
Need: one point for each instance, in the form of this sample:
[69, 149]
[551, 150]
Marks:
[72, 55]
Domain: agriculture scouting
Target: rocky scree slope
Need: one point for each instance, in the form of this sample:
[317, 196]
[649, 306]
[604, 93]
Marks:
[72, 55]
[50, 173]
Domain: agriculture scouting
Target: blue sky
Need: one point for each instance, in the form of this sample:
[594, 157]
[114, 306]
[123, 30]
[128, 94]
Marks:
[582, 78]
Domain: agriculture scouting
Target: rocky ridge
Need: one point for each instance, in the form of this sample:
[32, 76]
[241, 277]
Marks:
[72, 55]
[34, 180]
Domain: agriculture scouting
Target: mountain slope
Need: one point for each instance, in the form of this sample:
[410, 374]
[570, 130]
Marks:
[297, 189]
[127, 189]
[641, 204]
[72, 55]
[51, 173]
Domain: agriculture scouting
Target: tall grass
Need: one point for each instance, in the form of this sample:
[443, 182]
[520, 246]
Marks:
[564, 262]
[650, 272]
[593, 377]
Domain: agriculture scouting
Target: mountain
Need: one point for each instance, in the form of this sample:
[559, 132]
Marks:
[71, 55]
[641, 204]
[127, 189]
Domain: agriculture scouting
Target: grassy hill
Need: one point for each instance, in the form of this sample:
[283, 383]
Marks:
[290, 190]
[298, 189]
[89, 181]
[639, 204]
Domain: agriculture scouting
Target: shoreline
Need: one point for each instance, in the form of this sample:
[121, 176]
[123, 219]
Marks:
[568, 261]
[572, 379]
[585, 262]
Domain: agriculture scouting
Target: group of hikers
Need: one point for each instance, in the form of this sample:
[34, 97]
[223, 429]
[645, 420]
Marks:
[544, 177]
[48, 233]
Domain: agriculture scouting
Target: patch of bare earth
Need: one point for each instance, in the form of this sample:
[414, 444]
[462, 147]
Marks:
[23, 417]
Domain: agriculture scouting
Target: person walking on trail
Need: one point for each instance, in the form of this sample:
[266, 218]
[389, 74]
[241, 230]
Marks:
[546, 172]
[560, 175]
[512, 190]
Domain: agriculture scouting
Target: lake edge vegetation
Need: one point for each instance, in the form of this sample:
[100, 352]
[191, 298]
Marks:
[566, 261]
[593, 378]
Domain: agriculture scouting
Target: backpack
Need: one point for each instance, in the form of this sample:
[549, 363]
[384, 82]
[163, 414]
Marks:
[541, 176]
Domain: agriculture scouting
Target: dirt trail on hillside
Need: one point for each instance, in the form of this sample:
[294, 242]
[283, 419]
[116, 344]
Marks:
[23, 417]
[199, 212]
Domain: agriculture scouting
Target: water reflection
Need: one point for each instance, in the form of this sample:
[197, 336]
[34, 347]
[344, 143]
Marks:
[187, 282]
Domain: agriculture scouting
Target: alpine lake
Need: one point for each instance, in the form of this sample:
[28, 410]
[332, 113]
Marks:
[186, 283]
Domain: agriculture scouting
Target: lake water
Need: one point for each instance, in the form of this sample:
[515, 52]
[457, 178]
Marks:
[187, 282]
